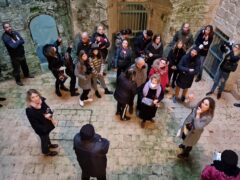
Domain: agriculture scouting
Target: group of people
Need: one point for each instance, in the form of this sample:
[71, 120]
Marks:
[142, 70]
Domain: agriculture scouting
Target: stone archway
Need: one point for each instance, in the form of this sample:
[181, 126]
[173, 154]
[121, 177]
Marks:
[43, 30]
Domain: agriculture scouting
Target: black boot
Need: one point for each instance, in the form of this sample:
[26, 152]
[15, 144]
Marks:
[97, 94]
[107, 91]
[219, 94]
[209, 93]
[183, 98]
[62, 87]
[75, 94]
[199, 77]
[58, 93]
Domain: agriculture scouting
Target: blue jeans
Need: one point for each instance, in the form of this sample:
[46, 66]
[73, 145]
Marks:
[220, 80]
[202, 59]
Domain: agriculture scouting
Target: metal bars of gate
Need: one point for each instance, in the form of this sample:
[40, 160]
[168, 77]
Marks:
[215, 55]
[133, 16]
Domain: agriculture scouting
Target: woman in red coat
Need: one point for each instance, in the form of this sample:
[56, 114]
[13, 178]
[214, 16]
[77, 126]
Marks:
[160, 67]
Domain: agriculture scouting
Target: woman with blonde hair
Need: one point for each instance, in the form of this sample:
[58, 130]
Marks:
[152, 95]
[40, 117]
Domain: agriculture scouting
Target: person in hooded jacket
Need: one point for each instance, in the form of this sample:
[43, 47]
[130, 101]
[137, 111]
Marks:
[204, 41]
[224, 169]
[188, 67]
[154, 50]
[55, 63]
[174, 58]
[91, 149]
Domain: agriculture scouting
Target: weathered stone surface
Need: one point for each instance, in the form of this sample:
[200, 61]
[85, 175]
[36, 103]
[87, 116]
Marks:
[134, 153]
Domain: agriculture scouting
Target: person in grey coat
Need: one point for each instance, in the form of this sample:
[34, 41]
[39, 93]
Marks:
[140, 67]
[194, 124]
[83, 71]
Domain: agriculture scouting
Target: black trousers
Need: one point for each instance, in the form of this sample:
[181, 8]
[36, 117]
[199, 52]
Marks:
[122, 109]
[17, 63]
[84, 95]
[172, 74]
[72, 82]
[45, 143]
[58, 82]
[87, 177]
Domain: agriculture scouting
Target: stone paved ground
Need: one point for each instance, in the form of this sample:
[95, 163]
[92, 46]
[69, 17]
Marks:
[134, 153]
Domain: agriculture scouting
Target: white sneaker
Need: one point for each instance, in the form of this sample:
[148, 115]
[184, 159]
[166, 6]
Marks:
[88, 100]
[81, 103]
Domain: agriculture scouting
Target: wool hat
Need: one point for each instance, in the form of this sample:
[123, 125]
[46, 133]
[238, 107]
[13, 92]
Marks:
[229, 158]
[87, 132]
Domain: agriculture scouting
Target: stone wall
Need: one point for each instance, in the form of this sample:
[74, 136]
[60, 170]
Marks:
[19, 13]
[227, 20]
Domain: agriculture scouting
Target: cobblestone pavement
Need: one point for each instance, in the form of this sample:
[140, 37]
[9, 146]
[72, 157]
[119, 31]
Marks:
[134, 153]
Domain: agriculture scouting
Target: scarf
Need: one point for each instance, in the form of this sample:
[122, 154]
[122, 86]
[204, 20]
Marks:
[229, 171]
[155, 46]
[147, 87]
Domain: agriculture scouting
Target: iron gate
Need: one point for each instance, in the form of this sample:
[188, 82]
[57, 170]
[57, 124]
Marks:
[133, 15]
[215, 55]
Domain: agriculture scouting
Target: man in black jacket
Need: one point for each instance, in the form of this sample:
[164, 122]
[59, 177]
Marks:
[142, 41]
[14, 44]
[84, 44]
[91, 150]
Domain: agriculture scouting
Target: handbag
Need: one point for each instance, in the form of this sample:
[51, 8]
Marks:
[147, 101]
[61, 75]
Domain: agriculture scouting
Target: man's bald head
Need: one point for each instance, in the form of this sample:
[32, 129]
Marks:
[85, 37]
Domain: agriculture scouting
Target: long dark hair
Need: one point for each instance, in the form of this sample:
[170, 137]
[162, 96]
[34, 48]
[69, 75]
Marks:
[211, 30]
[211, 109]
[98, 56]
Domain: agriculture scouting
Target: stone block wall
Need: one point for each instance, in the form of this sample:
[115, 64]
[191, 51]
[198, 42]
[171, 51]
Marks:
[227, 20]
[19, 13]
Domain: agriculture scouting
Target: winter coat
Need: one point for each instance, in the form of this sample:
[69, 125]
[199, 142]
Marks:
[185, 77]
[39, 123]
[197, 127]
[70, 67]
[103, 44]
[157, 53]
[186, 38]
[123, 58]
[14, 44]
[206, 43]
[141, 75]
[228, 58]
[212, 173]
[83, 71]
[125, 90]
[84, 46]
[163, 73]
[175, 56]
[140, 44]
[119, 40]
[91, 155]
